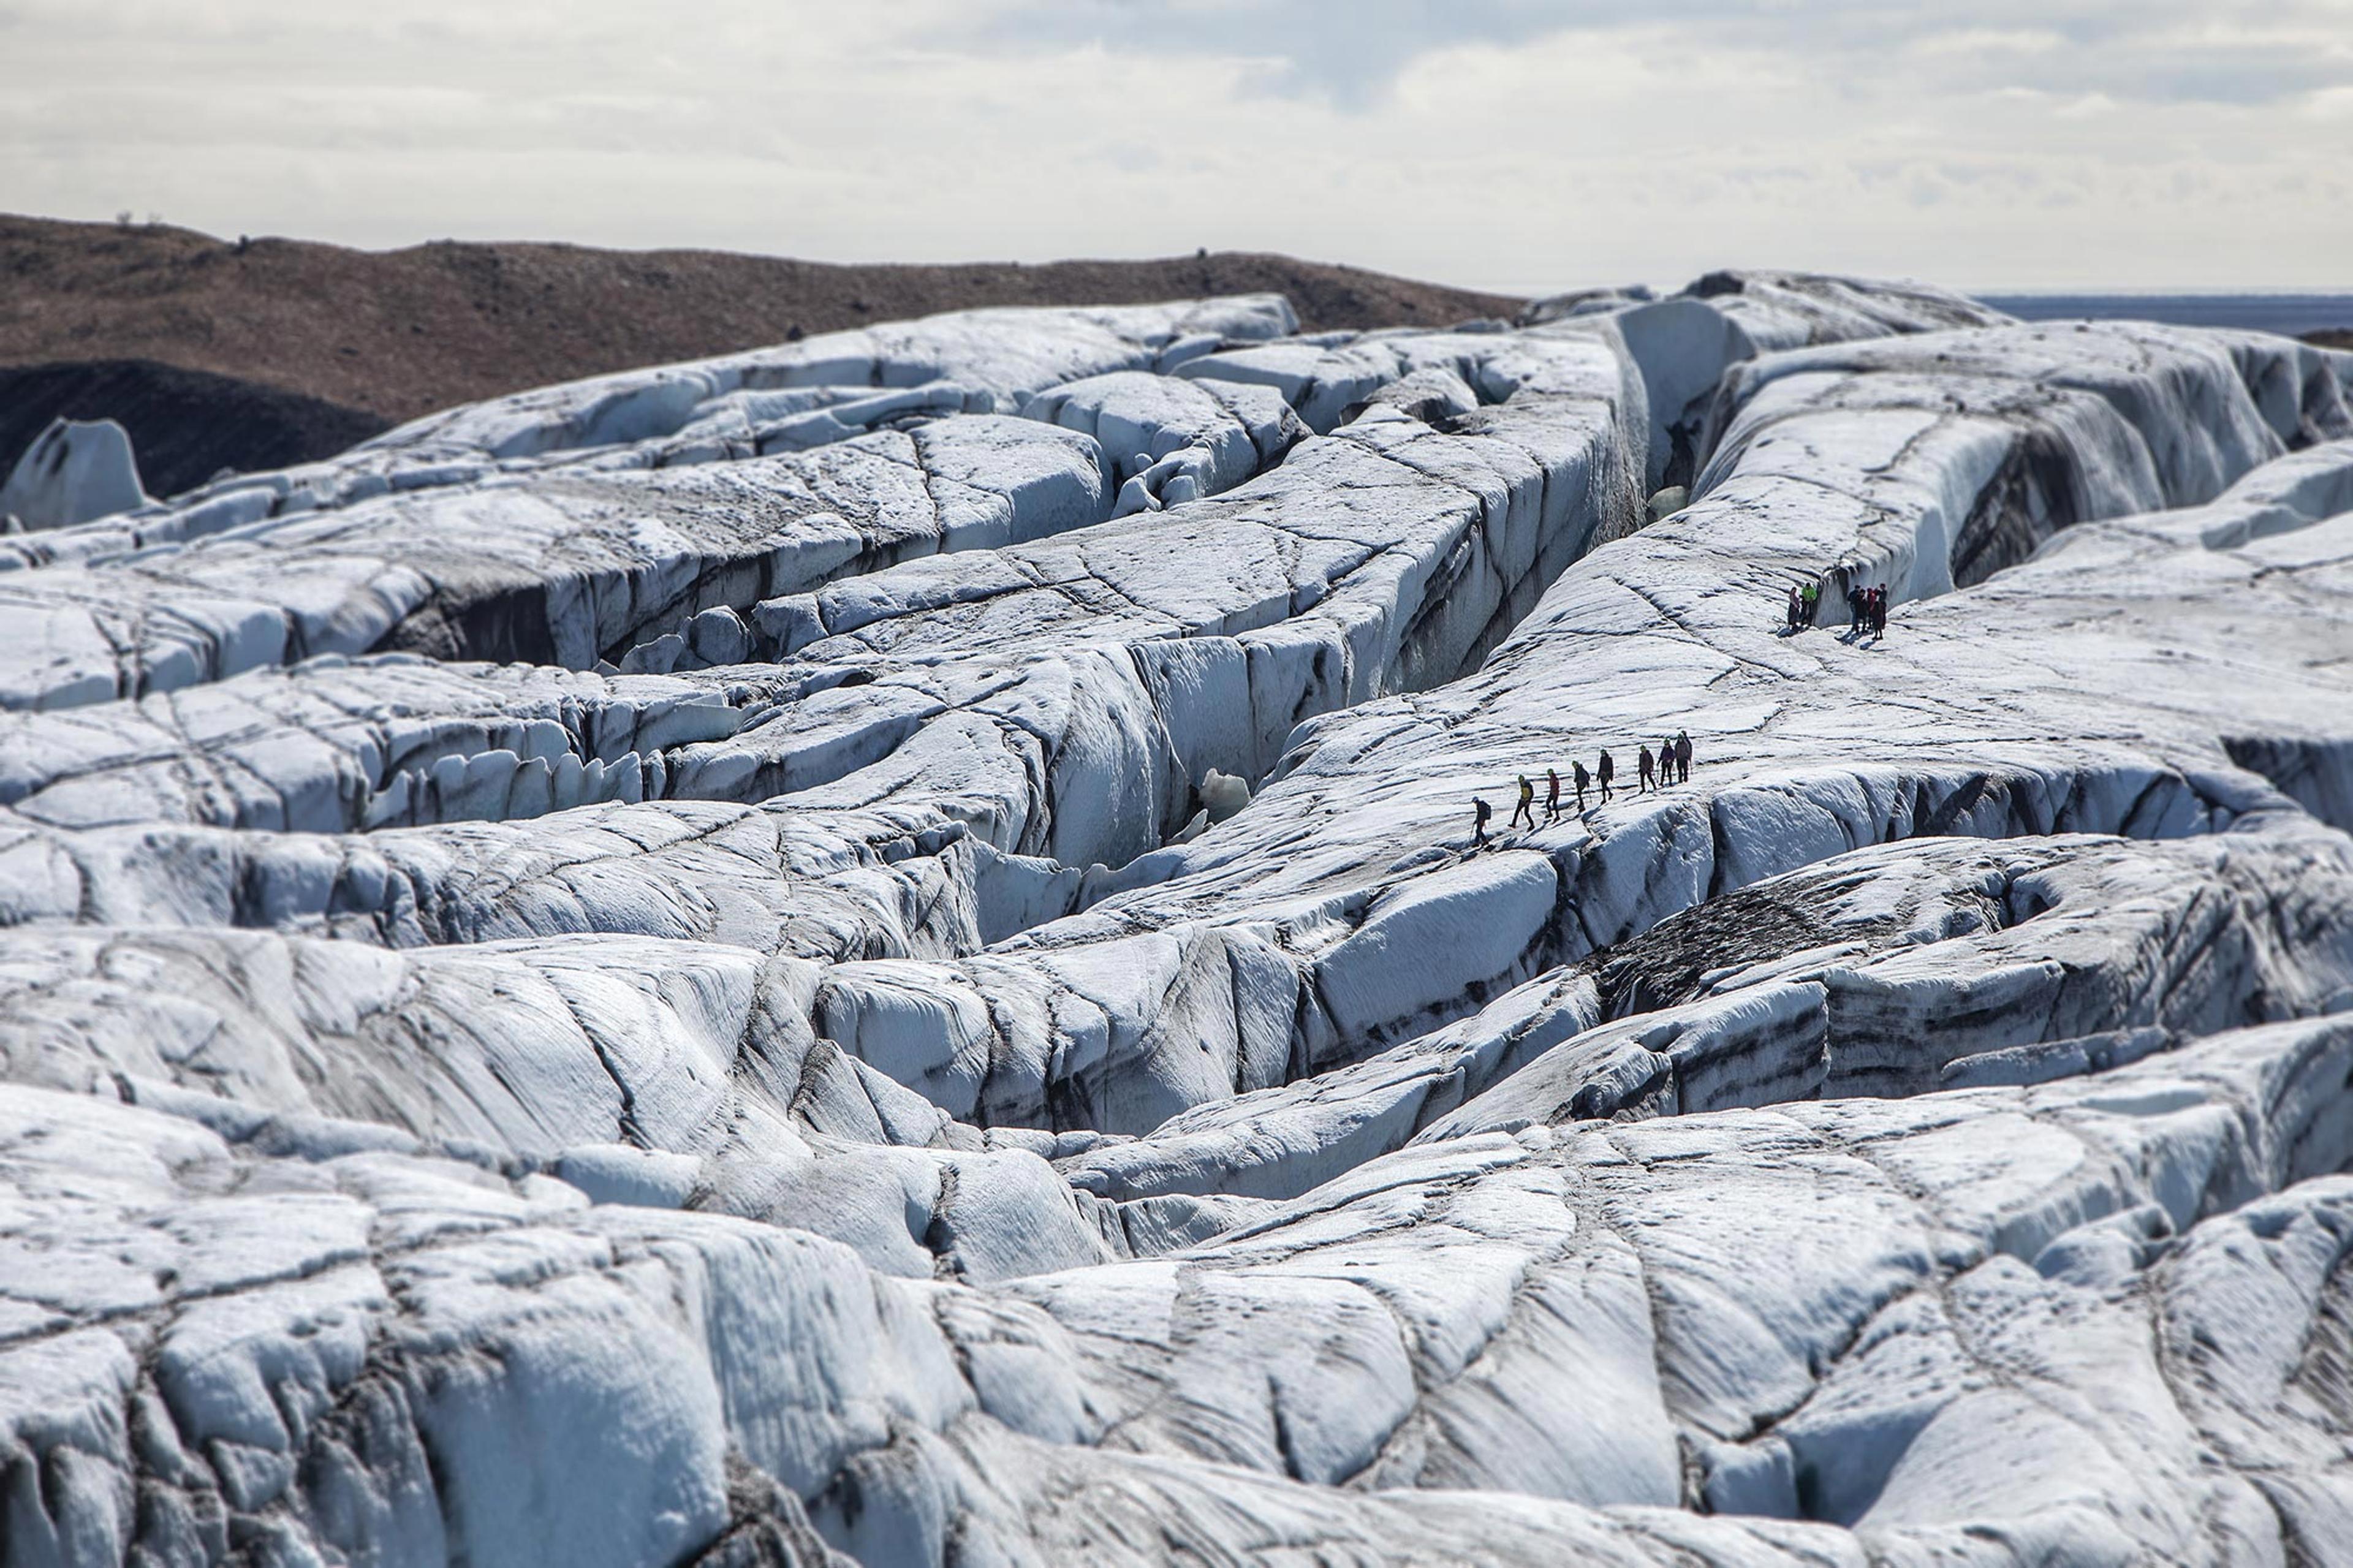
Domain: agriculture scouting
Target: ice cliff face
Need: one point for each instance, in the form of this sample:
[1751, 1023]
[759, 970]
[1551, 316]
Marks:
[878, 950]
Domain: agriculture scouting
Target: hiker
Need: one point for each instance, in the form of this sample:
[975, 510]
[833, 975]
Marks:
[1605, 772]
[1666, 764]
[1813, 603]
[1797, 607]
[1683, 757]
[1479, 827]
[1578, 776]
[1644, 776]
[1527, 806]
[1551, 794]
[1857, 618]
[1879, 612]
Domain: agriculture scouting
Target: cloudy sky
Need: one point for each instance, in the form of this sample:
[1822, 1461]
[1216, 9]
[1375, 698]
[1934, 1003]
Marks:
[1515, 144]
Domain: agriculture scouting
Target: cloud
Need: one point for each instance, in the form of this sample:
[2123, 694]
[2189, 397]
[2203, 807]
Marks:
[1506, 143]
[1353, 52]
[1348, 52]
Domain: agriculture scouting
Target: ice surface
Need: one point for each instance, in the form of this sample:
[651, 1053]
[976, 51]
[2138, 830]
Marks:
[879, 948]
[788, 397]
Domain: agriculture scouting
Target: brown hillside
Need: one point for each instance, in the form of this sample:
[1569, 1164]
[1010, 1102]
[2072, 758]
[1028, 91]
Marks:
[398, 333]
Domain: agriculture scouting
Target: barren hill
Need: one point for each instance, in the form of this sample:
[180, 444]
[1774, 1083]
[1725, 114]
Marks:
[387, 335]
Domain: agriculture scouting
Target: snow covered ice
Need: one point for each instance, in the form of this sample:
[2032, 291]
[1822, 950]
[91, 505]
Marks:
[875, 951]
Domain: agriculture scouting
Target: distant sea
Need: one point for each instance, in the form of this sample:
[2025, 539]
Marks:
[2291, 314]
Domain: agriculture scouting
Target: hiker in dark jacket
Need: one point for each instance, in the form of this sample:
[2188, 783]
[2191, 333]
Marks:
[1605, 772]
[1683, 757]
[1644, 778]
[1479, 825]
[1551, 794]
[1795, 615]
[1879, 612]
[1580, 778]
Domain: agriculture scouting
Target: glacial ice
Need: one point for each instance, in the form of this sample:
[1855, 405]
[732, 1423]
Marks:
[74, 472]
[876, 949]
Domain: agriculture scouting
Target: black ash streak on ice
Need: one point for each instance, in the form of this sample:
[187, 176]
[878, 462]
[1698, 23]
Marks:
[869, 948]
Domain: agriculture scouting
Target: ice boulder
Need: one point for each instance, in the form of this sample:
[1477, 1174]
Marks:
[74, 472]
[1223, 794]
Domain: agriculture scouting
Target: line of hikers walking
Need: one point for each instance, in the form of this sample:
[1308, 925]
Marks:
[1866, 610]
[1671, 763]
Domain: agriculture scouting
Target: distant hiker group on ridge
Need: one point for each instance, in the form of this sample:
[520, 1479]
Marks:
[1805, 598]
[1654, 770]
[1866, 610]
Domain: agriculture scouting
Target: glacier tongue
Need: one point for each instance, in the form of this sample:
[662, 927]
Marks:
[877, 950]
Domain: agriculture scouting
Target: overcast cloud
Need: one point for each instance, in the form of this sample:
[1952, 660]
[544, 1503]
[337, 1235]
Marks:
[1515, 144]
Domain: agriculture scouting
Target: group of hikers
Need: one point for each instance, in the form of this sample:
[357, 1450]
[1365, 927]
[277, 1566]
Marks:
[1671, 763]
[1866, 609]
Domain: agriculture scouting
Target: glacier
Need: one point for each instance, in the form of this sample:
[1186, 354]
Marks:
[877, 951]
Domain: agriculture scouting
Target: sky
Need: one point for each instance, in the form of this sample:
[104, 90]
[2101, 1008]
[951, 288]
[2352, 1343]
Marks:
[1519, 145]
